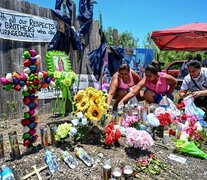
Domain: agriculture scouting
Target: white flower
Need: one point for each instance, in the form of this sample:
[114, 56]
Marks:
[84, 121]
[72, 131]
[75, 122]
[79, 115]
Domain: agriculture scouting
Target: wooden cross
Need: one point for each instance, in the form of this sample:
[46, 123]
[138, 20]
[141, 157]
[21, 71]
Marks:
[36, 171]
[30, 80]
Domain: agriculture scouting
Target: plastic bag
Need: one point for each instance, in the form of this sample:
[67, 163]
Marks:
[191, 109]
[190, 148]
[169, 105]
[173, 107]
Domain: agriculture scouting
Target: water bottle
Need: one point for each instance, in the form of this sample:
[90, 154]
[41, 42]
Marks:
[51, 161]
[164, 102]
[84, 156]
[69, 160]
[6, 173]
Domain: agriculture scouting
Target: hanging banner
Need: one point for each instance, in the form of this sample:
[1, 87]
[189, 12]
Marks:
[23, 27]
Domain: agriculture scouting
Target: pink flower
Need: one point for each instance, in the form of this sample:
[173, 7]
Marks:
[139, 138]
[129, 121]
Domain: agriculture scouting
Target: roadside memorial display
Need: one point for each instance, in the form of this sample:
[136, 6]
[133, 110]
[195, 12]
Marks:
[30, 81]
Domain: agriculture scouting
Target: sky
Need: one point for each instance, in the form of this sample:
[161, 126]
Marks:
[142, 16]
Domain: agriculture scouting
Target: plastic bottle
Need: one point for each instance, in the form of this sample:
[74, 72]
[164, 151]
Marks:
[6, 173]
[164, 102]
[84, 156]
[69, 160]
[51, 161]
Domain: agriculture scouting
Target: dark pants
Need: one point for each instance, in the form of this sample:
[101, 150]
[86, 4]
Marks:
[201, 102]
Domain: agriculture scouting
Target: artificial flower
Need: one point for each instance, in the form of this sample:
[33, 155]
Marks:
[112, 134]
[94, 113]
[79, 96]
[83, 104]
[165, 119]
[62, 131]
[91, 102]
[128, 121]
[139, 138]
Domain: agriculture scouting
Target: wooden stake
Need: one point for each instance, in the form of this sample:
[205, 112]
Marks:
[36, 171]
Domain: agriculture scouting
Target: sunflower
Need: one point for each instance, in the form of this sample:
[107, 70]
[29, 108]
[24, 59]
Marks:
[95, 99]
[94, 113]
[83, 104]
[79, 96]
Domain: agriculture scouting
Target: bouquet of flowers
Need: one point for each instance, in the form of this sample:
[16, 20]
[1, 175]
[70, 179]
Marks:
[139, 138]
[64, 81]
[91, 102]
[130, 121]
[112, 134]
[165, 119]
[62, 131]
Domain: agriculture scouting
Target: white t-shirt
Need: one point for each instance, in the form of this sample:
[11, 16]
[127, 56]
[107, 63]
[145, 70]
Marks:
[201, 82]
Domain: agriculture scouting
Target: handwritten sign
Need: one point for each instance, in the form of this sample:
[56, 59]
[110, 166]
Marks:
[23, 27]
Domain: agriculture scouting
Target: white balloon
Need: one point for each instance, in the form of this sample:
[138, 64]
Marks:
[9, 77]
[25, 108]
[38, 57]
[25, 88]
[27, 70]
[40, 74]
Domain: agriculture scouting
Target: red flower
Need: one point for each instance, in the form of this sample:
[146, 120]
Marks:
[184, 116]
[108, 130]
[109, 140]
[165, 119]
[172, 132]
[112, 135]
[117, 134]
[181, 105]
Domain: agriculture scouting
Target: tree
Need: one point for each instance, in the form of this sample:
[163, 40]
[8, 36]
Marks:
[125, 39]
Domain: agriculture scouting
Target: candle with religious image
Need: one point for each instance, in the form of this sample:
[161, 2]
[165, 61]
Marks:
[14, 144]
[106, 171]
[53, 130]
[1, 146]
[44, 136]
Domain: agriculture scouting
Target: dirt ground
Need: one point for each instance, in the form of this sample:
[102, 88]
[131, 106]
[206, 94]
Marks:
[119, 155]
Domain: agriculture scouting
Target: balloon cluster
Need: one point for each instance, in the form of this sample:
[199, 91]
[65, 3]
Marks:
[30, 80]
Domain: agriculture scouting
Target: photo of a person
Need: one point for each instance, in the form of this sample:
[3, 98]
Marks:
[59, 63]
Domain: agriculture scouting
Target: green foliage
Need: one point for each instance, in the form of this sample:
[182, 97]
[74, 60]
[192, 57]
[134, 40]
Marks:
[125, 39]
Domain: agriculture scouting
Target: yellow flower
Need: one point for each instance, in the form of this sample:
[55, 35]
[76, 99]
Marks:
[79, 96]
[94, 113]
[83, 104]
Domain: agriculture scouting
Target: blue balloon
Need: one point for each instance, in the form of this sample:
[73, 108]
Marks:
[31, 125]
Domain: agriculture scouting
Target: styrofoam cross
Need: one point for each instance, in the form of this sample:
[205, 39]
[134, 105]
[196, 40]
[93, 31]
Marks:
[30, 81]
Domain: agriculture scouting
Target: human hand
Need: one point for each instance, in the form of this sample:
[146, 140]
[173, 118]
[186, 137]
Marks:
[196, 94]
[121, 103]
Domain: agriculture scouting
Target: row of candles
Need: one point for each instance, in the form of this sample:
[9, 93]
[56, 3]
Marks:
[13, 140]
[140, 110]
[117, 173]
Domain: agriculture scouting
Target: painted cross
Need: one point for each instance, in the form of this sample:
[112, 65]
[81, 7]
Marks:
[30, 80]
